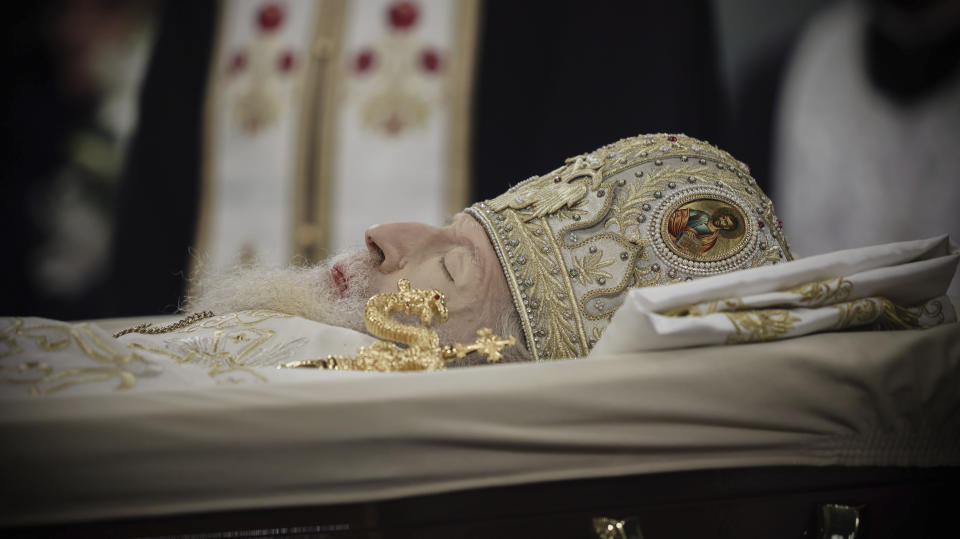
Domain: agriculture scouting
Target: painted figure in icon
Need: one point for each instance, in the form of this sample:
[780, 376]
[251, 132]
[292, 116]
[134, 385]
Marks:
[696, 231]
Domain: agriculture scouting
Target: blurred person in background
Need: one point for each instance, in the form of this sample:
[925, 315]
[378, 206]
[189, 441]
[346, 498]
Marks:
[74, 71]
[868, 126]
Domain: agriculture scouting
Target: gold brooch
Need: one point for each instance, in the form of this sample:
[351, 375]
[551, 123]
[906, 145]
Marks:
[423, 351]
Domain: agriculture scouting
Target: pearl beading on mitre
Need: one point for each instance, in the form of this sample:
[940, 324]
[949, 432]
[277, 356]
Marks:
[745, 250]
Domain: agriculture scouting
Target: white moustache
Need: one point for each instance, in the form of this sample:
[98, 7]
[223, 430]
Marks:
[318, 292]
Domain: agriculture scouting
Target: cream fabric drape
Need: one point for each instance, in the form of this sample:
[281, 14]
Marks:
[52, 359]
[894, 286]
[884, 398]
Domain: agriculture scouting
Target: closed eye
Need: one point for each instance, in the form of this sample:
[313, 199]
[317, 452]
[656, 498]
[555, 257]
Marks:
[443, 265]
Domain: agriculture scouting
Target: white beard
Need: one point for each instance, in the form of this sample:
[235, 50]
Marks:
[307, 291]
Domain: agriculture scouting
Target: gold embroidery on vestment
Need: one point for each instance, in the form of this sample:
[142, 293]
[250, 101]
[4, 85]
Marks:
[759, 325]
[819, 293]
[703, 309]
[41, 378]
[879, 313]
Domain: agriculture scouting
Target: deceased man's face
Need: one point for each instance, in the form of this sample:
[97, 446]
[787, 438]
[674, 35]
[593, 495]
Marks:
[456, 259]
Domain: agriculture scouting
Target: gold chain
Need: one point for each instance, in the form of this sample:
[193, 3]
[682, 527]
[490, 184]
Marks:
[180, 324]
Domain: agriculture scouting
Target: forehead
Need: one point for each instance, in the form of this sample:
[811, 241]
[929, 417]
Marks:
[471, 230]
[464, 220]
[472, 233]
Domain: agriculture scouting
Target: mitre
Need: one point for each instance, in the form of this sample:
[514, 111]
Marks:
[644, 211]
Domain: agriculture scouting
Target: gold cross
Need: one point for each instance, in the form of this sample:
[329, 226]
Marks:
[488, 344]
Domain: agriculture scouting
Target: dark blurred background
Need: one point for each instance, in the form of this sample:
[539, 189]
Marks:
[102, 117]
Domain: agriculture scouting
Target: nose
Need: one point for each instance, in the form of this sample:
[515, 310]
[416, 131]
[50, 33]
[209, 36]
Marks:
[397, 243]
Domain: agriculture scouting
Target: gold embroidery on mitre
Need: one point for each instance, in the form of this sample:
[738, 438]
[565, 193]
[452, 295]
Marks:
[573, 242]
[547, 194]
